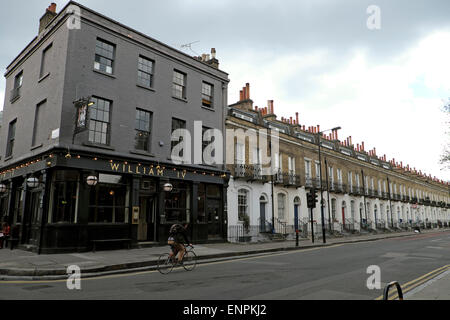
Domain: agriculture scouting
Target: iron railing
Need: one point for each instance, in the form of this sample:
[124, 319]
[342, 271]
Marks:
[349, 225]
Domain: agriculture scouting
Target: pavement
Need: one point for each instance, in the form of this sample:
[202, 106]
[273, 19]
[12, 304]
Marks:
[22, 265]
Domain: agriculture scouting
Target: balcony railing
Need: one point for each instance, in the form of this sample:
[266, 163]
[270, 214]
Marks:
[287, 179]
[372, 193]
[290, 179]
[249, 172]
[278, 177]
[341, 188]
[357, 191]
[413, 200]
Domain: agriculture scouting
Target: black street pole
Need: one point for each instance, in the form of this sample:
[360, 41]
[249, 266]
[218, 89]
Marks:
[312, 225]
[321, 193]
[273, 210]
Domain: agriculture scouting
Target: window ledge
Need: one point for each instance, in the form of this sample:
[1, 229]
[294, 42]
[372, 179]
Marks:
[8, 158]
[44, 77]
[104, 73]
[146, 88]
[180, 99]
[209, 109]
[14, 99]
[36, 147]
[100, 146]
[142, 153]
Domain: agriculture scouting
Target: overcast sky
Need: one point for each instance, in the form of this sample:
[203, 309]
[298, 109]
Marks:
[384, 86]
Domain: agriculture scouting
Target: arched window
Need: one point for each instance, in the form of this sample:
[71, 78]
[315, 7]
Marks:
[281, 206]
[242, 204]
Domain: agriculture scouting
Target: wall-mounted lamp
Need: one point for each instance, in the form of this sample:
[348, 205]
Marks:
[92, 181]
[33, 182]
[168, 187]
[3, 188]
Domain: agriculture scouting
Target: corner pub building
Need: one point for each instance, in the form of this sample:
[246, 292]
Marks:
[90, 107]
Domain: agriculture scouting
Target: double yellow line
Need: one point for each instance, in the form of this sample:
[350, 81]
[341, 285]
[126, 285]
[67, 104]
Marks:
[415, 283]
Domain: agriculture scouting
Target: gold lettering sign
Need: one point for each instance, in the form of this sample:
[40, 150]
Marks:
[142, 170]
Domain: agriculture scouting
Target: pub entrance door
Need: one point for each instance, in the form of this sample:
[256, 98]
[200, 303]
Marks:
[31, 219]
[214, 221]
[147, 219]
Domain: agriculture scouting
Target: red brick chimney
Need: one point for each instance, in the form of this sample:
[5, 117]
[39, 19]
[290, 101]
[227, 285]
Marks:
[244, 103]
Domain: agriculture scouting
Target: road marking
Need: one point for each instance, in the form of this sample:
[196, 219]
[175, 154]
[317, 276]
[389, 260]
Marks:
[439, 248]
[265, 255]
[416, 282]
[426, 284]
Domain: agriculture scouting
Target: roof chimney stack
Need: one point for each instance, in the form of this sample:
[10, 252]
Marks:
[48, 16]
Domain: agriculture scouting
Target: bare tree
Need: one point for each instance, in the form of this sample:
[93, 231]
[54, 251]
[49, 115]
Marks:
[445, 157]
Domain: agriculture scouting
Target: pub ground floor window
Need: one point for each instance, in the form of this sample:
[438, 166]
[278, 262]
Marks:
[18, 205]
[64, 197]
[4, 199]
[177, 204]
[109, 200]
[207, 193]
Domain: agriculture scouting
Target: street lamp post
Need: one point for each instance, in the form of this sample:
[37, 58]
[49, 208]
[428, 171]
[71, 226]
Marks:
[319, 135]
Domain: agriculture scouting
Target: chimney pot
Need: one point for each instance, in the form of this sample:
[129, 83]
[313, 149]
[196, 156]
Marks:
[52, 7]
[213, 53]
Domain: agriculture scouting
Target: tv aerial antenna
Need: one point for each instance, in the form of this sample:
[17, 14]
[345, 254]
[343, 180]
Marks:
[189, 46]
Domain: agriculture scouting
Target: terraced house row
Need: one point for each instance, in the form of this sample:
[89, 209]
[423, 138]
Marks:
[362, 192]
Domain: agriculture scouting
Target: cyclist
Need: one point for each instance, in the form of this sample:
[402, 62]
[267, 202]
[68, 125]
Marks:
[178, 236]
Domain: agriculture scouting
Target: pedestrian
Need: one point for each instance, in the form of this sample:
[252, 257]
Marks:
[4, 233]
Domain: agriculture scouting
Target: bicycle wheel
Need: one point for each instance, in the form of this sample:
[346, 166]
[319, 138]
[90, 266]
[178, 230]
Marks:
[165, 263]
[189, 260]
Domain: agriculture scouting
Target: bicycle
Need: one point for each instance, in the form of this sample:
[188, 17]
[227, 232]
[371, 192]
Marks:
[166, 262]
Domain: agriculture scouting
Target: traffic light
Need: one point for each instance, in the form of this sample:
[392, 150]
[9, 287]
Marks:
[311, 199]
[315, 198]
